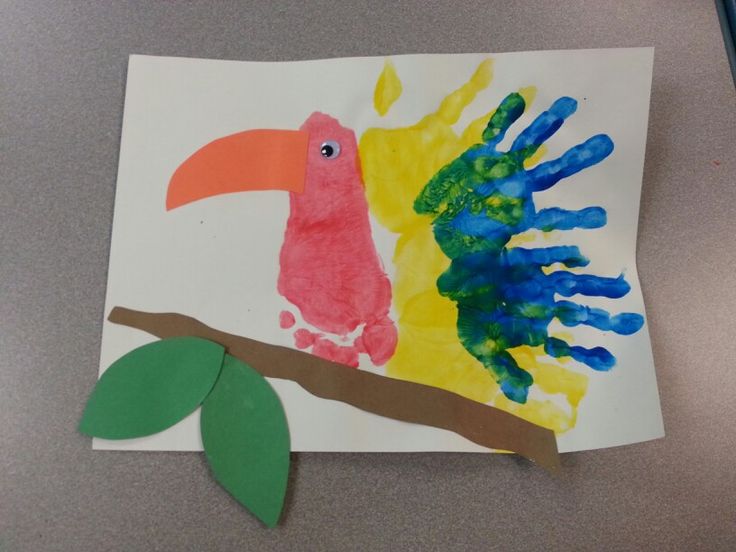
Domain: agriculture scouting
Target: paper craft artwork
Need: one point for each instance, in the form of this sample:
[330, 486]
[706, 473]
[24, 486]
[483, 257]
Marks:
[437, 252]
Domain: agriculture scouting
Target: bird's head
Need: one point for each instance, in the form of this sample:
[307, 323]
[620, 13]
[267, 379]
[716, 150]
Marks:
[321, 156]
[332, 156]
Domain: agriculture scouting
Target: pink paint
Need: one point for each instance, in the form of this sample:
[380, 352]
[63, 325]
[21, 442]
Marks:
[286, 319]
[338, 353]
[379, 341]
[304, 338]
[326, 348]
[329, 265]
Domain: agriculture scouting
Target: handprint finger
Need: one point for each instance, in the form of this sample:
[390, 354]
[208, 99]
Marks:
[574, 160]
[544, 126]
[514, 381]
[555, 218]
[569, 255]
[454, 103]
[568, 284]
[571, 314]
[472, 133]
[511, 108]
[598, 358]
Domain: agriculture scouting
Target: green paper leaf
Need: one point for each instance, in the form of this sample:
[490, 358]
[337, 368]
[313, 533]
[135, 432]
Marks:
[152, 388]
[246, 439]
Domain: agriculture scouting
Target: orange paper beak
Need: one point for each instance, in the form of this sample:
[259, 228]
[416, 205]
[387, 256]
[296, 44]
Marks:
[251, 160]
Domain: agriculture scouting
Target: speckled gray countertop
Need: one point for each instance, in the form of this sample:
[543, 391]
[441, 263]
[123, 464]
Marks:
[62, 76]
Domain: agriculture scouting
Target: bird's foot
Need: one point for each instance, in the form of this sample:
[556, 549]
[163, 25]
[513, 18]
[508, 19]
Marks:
[378, 340]
[326, 348]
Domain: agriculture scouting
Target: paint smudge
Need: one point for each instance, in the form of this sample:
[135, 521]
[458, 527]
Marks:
[504, 298]
[397, 163]
[303, 338]
[330, 269]
[388, 89]
[286, 320]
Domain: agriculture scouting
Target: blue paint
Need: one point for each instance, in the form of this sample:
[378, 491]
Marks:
[478, 202]
[546, 124]
[555, 218]
[587, 154]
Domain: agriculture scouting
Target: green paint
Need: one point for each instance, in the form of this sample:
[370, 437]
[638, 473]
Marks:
[152, 388]
[478, 202]
[246, 439]
[510, 109]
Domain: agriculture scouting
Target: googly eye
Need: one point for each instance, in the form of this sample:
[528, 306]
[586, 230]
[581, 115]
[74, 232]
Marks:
[330, 149]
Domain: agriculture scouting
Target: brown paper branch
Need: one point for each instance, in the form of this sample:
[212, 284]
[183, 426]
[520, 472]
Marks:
[392, 398]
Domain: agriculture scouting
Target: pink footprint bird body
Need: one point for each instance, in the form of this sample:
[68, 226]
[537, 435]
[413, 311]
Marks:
[330, 269]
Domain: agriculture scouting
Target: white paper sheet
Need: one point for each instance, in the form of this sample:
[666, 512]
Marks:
[218, 259]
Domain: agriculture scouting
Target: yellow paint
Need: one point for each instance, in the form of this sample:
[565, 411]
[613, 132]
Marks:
[536, 157]
[388, 88]
[397, 163]
[551, 379]
[549, 269]
[566, 336]
[518, 240]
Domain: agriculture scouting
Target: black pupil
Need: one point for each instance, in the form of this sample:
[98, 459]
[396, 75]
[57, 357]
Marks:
[327, 150]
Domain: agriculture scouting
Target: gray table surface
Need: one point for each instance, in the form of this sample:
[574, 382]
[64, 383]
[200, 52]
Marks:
[62, 76]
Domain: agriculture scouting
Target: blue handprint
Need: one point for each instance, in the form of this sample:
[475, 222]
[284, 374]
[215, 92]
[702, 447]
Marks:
[478, 202]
